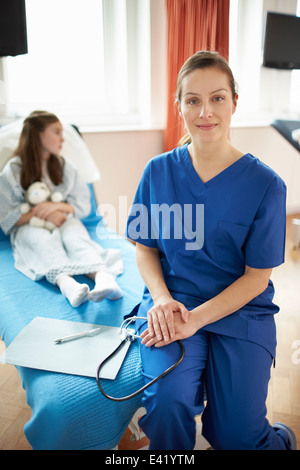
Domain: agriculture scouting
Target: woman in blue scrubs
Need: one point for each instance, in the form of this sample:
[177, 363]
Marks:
[209, 222]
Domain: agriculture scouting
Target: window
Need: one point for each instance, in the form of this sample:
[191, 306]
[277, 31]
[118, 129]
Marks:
[84, 61]
[265, 94]
[244, 54]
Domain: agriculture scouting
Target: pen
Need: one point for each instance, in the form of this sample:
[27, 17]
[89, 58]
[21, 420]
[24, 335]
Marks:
[77, 335]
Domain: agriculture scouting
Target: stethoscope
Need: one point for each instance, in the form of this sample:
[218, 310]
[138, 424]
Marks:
[129, 334]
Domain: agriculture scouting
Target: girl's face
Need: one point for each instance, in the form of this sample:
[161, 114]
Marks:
[207, 104]
[51, 140]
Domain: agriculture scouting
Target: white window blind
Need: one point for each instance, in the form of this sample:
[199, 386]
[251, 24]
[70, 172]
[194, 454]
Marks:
[83, 61]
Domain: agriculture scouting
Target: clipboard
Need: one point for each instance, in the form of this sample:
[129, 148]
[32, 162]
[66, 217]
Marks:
[35, 347]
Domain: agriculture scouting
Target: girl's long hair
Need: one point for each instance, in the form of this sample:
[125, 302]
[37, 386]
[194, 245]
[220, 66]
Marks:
[29, 148]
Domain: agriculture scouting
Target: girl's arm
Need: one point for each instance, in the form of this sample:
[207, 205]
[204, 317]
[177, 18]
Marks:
[44, 209]
[161, 315]
[234, 297]
[24, 219]
[57, 217]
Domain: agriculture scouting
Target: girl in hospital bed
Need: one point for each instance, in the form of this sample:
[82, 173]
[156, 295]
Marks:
[68, 250]
[211, 228]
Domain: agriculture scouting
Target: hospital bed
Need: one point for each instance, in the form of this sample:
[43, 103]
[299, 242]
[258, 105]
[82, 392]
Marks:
[68, 411]
[290, 130]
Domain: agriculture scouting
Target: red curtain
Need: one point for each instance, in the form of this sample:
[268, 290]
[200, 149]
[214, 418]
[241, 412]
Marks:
[193, 25]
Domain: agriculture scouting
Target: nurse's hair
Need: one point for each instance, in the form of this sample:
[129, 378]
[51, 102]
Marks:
[203, 60]
[29, 150]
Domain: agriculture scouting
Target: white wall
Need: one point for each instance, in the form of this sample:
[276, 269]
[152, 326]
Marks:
[121, 158]
[270, 147]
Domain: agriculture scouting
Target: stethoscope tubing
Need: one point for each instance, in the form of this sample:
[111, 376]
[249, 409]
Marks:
[134, 394]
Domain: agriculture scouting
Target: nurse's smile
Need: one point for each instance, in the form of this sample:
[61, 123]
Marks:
[207, 127]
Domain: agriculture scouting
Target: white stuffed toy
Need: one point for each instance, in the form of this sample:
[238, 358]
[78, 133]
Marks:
[36, 193]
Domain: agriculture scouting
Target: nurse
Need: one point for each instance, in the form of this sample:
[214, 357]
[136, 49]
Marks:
[209, 226]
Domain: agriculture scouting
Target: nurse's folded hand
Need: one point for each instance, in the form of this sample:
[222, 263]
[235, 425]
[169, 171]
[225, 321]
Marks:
[161, 325]
[182, 330]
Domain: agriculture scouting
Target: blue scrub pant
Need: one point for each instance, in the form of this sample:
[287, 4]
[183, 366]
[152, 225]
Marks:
[235, 374]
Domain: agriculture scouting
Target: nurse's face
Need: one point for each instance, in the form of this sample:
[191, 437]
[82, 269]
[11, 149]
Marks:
[207, 104]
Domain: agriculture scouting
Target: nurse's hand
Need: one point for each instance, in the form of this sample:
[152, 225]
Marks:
[182, 330]
[160, 317]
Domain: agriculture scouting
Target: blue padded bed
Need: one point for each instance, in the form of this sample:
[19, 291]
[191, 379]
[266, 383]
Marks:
[68, 411]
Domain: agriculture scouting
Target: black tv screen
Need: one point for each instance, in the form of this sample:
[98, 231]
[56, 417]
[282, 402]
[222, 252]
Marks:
[13, 31]
[282, 41]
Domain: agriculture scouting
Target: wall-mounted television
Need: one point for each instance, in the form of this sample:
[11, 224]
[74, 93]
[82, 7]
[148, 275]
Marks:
[13, 31]
[281, 41]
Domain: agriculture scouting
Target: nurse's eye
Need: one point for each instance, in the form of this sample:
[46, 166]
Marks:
[218, 99]
[193, 101]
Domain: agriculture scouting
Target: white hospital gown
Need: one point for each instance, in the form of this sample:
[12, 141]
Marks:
[68, 249]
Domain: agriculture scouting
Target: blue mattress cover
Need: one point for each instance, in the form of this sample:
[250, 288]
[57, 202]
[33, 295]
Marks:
[69, 412]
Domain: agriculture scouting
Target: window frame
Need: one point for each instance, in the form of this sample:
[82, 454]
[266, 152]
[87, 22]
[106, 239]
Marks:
[127, 70]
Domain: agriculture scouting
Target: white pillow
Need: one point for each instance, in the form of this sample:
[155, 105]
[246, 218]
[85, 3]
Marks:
[74, 149]
[9, 137]
[296, 135]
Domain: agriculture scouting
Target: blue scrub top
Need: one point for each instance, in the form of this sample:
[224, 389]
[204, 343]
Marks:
[207, 232]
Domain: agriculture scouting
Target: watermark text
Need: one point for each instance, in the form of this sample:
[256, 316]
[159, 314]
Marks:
[159, 221]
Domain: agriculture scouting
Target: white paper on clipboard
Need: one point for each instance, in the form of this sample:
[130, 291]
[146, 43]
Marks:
[34, 347]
